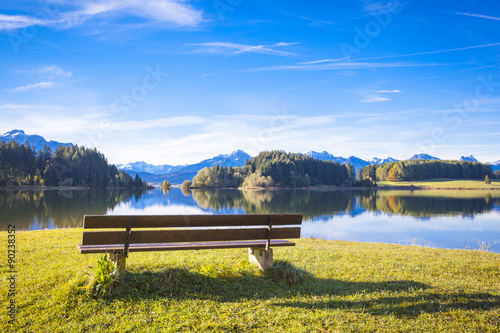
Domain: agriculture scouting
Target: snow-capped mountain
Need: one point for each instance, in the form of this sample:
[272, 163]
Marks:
[326, 156]
[377, 160]
[179, 173]
[423, 157]
[36, 141]
[495, 165]
[469, 158]
[236, 158]
[139, 167]
[356, 162]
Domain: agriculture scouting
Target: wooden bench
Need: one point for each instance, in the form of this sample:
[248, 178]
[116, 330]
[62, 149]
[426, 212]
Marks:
[257, 232]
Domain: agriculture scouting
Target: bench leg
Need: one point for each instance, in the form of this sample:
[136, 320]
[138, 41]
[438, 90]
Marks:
[260, 257]
[119, 259]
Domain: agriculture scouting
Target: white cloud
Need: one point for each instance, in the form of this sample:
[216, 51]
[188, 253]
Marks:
[39, 85]
[334, 66]
[54, 71]
[10, 22]
[395, 91]
[175, 12]
[234, 48]
[480, 16]
[374, 99]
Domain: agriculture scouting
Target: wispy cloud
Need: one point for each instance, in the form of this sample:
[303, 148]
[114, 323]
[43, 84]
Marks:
[326, 61]
[176, 12]
[305, 18]
[10, 22]
[234, 48]
[321, 66]
[314, 62]
[374, 99]
[395, 91]
[379, 96]
[381, 6]
[479, 16]
[34, 86]
[339, 66]
[54, 71]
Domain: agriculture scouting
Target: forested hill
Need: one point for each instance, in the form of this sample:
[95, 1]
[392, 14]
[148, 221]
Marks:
[276, 168]
[411, 170]
[67, 166]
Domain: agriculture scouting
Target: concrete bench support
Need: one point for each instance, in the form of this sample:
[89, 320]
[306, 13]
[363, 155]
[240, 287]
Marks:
[260, 257]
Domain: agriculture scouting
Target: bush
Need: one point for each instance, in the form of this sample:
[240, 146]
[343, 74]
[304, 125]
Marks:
[106, 277]
[487, 180]
[186, 184]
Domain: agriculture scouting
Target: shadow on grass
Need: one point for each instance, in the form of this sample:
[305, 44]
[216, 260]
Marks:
[408, 306]
[285, 282]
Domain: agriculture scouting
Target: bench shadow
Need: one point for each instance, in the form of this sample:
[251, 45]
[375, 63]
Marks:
[285, 281]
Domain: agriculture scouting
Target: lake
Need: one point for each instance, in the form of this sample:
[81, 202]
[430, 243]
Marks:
[442, 219]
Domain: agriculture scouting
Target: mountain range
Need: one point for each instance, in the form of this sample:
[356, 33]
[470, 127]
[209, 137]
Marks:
[36, 141]
[176, 174]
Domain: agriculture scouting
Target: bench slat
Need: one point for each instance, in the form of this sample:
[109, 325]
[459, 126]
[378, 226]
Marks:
[176, 221]
[180, 246]
[193, 235]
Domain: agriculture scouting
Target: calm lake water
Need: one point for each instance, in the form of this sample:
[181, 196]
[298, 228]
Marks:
[444, 219]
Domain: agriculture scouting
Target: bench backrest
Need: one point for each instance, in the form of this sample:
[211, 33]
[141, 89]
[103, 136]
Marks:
[188, 228]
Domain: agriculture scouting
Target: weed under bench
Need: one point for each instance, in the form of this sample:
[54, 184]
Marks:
[137, 233]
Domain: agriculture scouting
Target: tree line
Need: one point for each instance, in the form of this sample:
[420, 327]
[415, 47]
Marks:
[278, 169]
[67, 166]
[412, 170]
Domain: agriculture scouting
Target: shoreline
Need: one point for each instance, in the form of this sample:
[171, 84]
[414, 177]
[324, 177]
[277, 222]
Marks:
[350, 188]
[67, 188]
[408, 187]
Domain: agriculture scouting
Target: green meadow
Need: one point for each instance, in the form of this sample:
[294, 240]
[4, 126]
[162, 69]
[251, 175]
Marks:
[446, 183]
[317, 286]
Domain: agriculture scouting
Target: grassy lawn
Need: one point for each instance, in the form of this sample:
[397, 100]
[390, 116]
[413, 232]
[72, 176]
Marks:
[345, 287]
[446, 183]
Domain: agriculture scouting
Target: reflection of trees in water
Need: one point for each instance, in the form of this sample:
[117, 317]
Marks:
[310, 203]
[424, 206]
[57, 208]
[318, 203]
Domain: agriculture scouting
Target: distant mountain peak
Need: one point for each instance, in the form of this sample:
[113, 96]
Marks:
[34, 140]
[423, 157]
[377, 160]
[14, 132]
[176, 174]
[469, 158]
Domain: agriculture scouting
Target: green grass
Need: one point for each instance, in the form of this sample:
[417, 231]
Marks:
[318, 286]
[446, 183]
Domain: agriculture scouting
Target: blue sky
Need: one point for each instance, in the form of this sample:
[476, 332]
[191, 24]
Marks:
[175, 82]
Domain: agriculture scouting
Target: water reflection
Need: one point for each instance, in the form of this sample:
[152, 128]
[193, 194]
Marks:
[61, 209]
[52, 209]
[320, 203]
